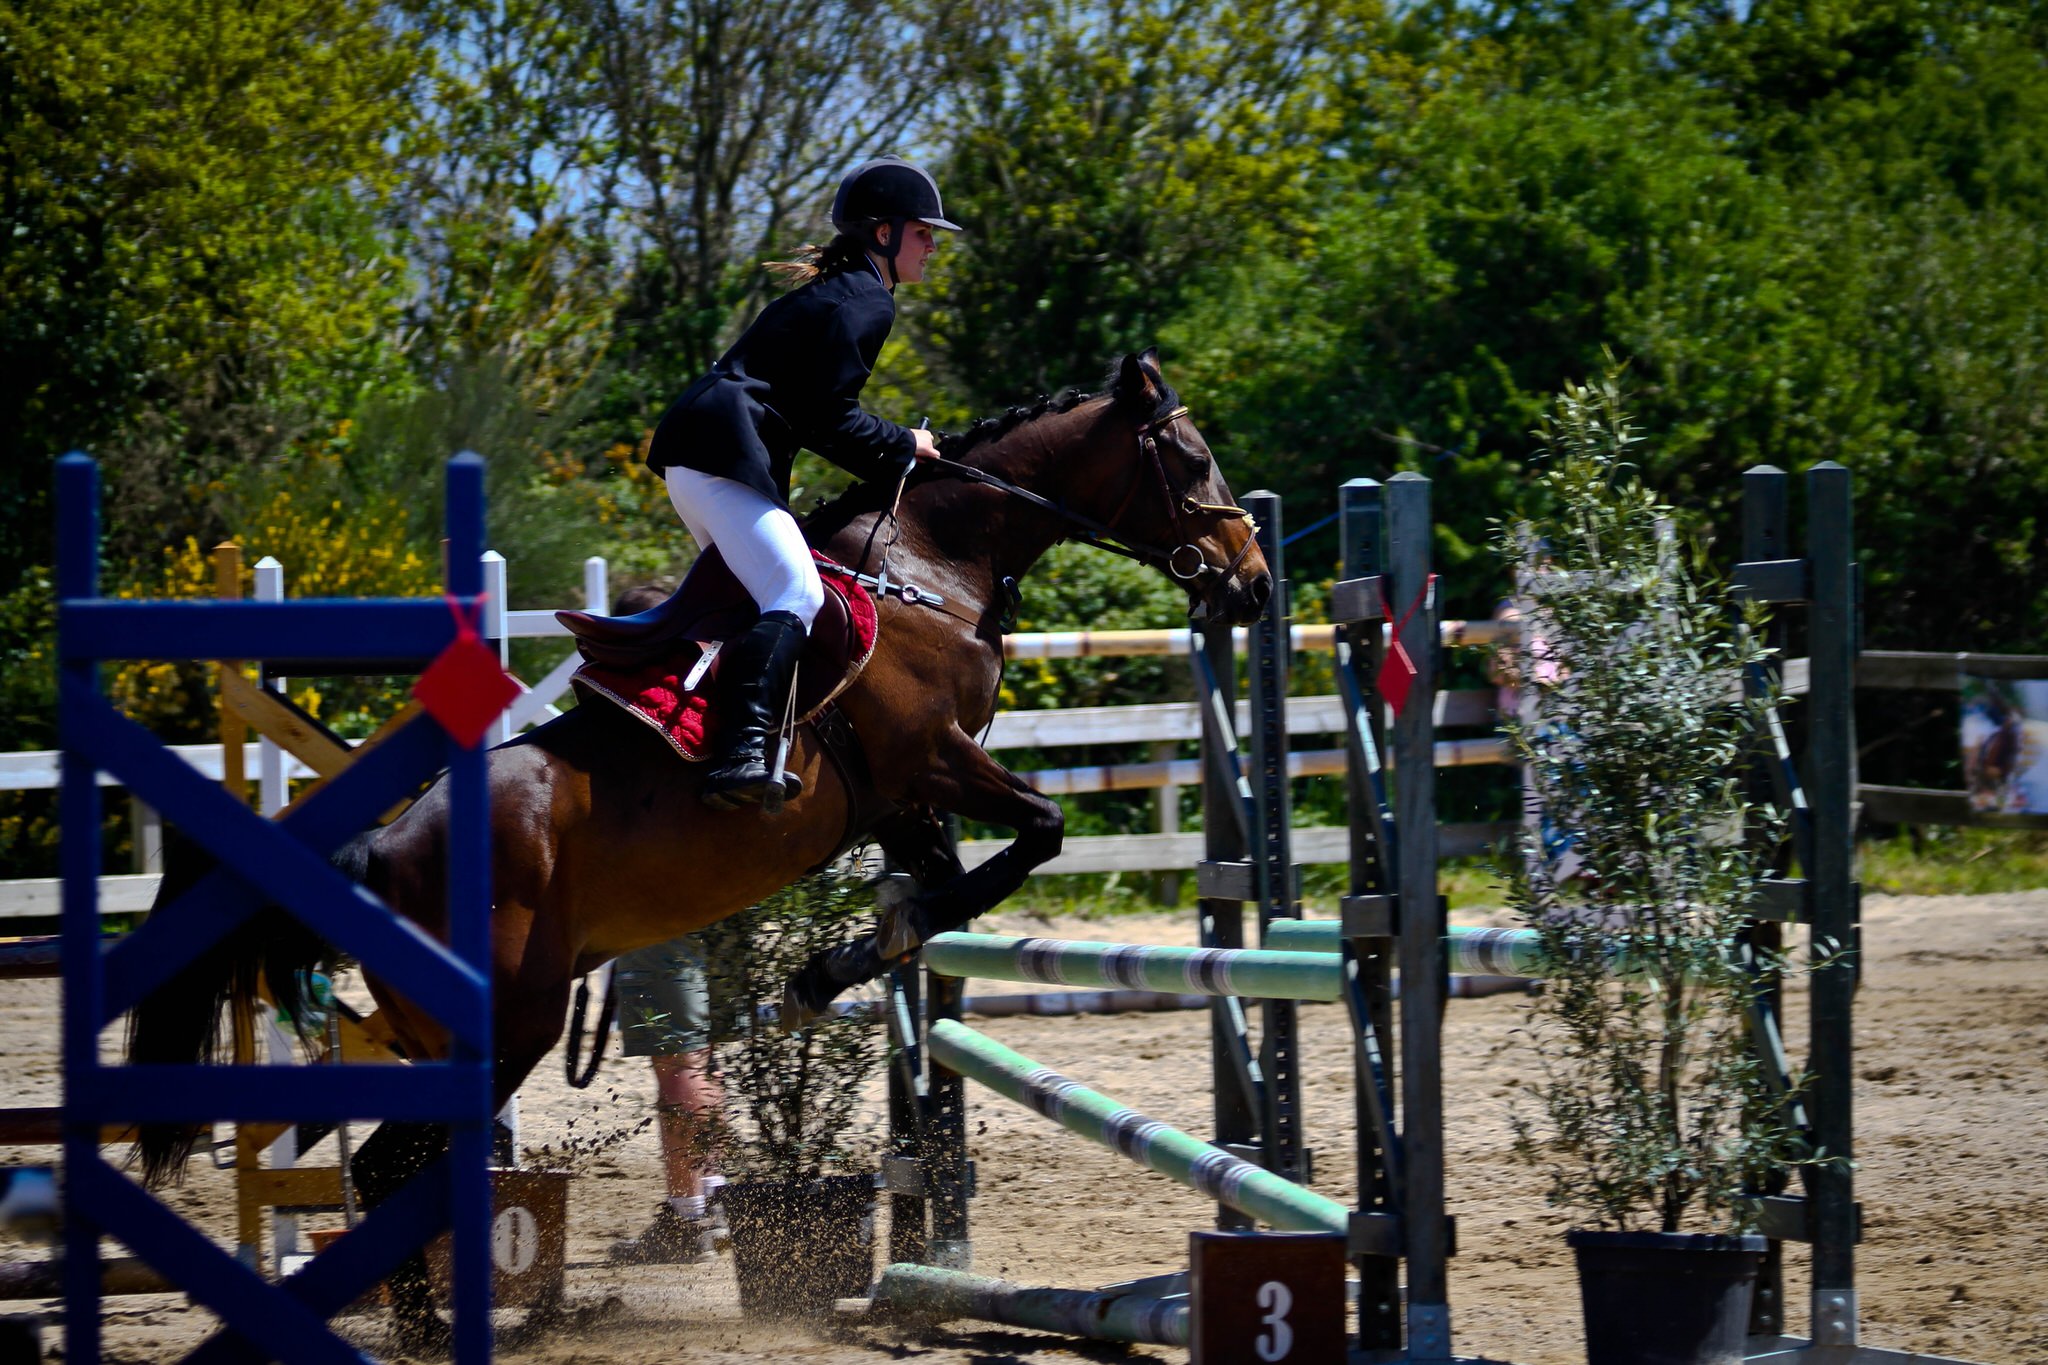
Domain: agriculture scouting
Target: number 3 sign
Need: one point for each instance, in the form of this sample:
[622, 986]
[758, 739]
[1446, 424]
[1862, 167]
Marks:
[1271, 1297]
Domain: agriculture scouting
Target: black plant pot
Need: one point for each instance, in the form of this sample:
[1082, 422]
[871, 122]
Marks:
[1665, 1298]
[798, 1245]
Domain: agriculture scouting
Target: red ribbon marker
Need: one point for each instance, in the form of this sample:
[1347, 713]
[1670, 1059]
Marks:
[466, 688]
[1398, 671]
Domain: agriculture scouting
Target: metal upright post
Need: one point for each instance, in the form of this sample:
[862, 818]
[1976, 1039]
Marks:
[1361, 521]
[1766, 537]
[1831, 764]
[78, 577]
[469, 935]
[1423, 984]
[949, 1175]
[1222, 919]
[908, 1233]
[1279, 1042]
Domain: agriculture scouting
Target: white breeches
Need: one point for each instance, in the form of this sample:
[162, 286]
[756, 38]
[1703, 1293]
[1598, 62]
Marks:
[759, 540]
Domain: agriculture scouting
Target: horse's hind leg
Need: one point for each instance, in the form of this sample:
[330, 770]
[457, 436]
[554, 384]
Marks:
[394, 1154]
[528, 1004]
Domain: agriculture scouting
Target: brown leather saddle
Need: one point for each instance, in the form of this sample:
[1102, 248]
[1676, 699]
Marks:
[661, 665]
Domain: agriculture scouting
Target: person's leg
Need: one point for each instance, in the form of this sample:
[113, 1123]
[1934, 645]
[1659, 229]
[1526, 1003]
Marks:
[665, 1015]
[760, 542]
[688, 1101]
[765, 550]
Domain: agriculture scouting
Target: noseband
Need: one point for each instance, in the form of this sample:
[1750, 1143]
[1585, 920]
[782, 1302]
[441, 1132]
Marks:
[1185, 562]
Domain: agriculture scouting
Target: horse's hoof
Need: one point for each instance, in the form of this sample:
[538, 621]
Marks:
[897, 936]
[795, 1014]
[423, 1335]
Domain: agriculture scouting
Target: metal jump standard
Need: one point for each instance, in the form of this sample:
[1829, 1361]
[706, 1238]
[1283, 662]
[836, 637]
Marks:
[283, 863]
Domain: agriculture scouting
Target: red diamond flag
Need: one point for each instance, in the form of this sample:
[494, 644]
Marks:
[1397, 671]
[1397, 675]
[465, 688]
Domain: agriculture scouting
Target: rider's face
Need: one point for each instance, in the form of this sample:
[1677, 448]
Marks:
[919, 242]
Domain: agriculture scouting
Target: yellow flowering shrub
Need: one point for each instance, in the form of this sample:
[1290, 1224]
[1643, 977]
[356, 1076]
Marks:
[327, 549]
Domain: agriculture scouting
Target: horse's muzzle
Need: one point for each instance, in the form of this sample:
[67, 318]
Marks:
[1237, 600]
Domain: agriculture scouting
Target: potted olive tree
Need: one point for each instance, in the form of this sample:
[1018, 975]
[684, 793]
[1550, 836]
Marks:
[802, 1193]
[1647, 1110]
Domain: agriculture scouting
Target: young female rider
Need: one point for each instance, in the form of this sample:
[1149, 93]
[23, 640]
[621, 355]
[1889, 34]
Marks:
[794, 380]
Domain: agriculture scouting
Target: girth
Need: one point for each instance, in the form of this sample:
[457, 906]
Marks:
[865, 808]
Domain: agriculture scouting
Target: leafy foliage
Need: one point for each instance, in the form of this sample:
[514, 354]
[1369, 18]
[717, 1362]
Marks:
[1108, 157]
[190, 250]
[797, 1093]
[1648, 1104]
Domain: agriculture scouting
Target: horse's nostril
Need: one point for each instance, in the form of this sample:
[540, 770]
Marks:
[1262, 588]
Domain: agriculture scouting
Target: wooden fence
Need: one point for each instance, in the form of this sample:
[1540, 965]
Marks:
[1162, 725]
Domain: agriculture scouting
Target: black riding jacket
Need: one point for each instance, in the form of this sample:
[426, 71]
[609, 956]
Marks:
[793, 380]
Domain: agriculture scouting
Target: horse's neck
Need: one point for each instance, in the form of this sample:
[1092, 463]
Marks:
[1005, 534]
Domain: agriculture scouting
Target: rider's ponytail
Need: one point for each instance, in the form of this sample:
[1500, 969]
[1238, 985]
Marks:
[843, 252]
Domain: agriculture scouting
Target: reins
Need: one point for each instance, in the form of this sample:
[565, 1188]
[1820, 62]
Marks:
[1105, 536]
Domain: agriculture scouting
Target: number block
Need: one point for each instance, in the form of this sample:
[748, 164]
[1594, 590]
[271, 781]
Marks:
[529, 1221]
[1267, 1297]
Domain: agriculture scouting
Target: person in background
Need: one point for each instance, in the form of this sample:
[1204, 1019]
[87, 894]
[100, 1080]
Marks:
[664, 1000]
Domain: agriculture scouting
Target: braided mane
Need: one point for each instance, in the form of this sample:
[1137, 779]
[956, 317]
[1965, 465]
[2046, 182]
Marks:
[987, 429]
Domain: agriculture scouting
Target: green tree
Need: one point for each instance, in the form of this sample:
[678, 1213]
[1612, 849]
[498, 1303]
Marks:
[1106, 157]
[187, 240]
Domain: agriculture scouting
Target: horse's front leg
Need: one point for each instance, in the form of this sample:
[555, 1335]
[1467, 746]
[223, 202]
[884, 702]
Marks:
[965, 782]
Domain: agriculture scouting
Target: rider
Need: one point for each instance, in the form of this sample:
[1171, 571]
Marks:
[794, 380]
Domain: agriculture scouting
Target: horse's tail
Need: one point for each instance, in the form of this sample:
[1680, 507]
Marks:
[179, 1024]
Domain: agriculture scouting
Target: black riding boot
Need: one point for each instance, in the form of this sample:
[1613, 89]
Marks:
[756, 668]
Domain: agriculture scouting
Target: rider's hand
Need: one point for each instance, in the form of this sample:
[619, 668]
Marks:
[927, 444]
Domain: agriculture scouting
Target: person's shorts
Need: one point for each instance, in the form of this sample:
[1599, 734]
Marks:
[664, 999]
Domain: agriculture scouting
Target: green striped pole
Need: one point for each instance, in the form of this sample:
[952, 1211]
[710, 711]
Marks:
[1253, 973]
[1469, 952]
[1227, 1179]
[931, 1292]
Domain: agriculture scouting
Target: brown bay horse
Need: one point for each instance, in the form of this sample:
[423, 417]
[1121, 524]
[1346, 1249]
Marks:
[599, 842]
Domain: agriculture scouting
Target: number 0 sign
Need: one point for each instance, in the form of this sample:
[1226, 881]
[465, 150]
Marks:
[1270, 1297]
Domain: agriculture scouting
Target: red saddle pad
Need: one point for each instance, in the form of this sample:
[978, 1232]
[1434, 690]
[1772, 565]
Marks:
[674, 695]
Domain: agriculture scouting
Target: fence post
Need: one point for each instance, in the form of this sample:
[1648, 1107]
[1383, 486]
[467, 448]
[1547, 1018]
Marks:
[1361, 512]
[271, 791]
[1222, 919]
[1831, 786]
[493, 629]
[234, 732]
[1273, 858]
[1166, 812]
[1423, 987]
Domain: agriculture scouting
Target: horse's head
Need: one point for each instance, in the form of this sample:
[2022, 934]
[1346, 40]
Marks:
[1177, 508]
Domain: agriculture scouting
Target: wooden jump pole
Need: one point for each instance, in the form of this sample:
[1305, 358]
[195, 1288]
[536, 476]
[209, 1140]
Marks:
[1208, 1170]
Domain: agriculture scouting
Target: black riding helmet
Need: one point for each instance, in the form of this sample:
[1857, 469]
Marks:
[887, 190]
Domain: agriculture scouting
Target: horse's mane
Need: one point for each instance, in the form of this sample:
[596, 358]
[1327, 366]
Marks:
[829, 517]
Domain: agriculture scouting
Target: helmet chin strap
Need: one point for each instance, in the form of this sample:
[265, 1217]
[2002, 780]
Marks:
[896, 226]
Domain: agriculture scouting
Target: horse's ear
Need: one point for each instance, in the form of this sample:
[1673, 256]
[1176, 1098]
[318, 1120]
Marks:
[1138, 381]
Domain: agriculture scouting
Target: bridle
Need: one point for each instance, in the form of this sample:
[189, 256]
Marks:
[1185, 562]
